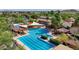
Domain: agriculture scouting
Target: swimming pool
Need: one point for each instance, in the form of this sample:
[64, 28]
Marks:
[35, 43]
[38, 31]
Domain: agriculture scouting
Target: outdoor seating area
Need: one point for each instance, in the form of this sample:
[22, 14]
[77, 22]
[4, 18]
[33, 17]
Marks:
[19, 29]
[22, 29]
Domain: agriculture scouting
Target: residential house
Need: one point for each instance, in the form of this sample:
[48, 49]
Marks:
[68, 22]
[44, 20]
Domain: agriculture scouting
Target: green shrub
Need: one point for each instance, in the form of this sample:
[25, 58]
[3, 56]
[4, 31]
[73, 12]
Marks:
[56, 42]
[21, 47]
[44, 37]
[32, 20]
[62, 38]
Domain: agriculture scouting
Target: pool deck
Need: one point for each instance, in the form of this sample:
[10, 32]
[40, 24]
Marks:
[20, 43]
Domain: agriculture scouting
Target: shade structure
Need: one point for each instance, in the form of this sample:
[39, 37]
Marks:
[35, 24]
[16, 26]
[24, 26]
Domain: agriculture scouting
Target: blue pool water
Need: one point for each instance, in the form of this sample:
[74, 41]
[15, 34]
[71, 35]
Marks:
[35, 43]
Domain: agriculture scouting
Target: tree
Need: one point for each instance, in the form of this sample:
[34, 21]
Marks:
[51, 13]
[6, 39]
[66, 15]
[56, 21]
[34, 16]
[4, 25]
[77, 21]
[5, 34]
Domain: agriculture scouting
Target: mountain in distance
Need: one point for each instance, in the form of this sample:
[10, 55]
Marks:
[26, 10]
[70, 10]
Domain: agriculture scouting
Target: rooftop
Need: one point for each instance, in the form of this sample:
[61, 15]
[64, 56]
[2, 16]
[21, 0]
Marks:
[62, 47]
